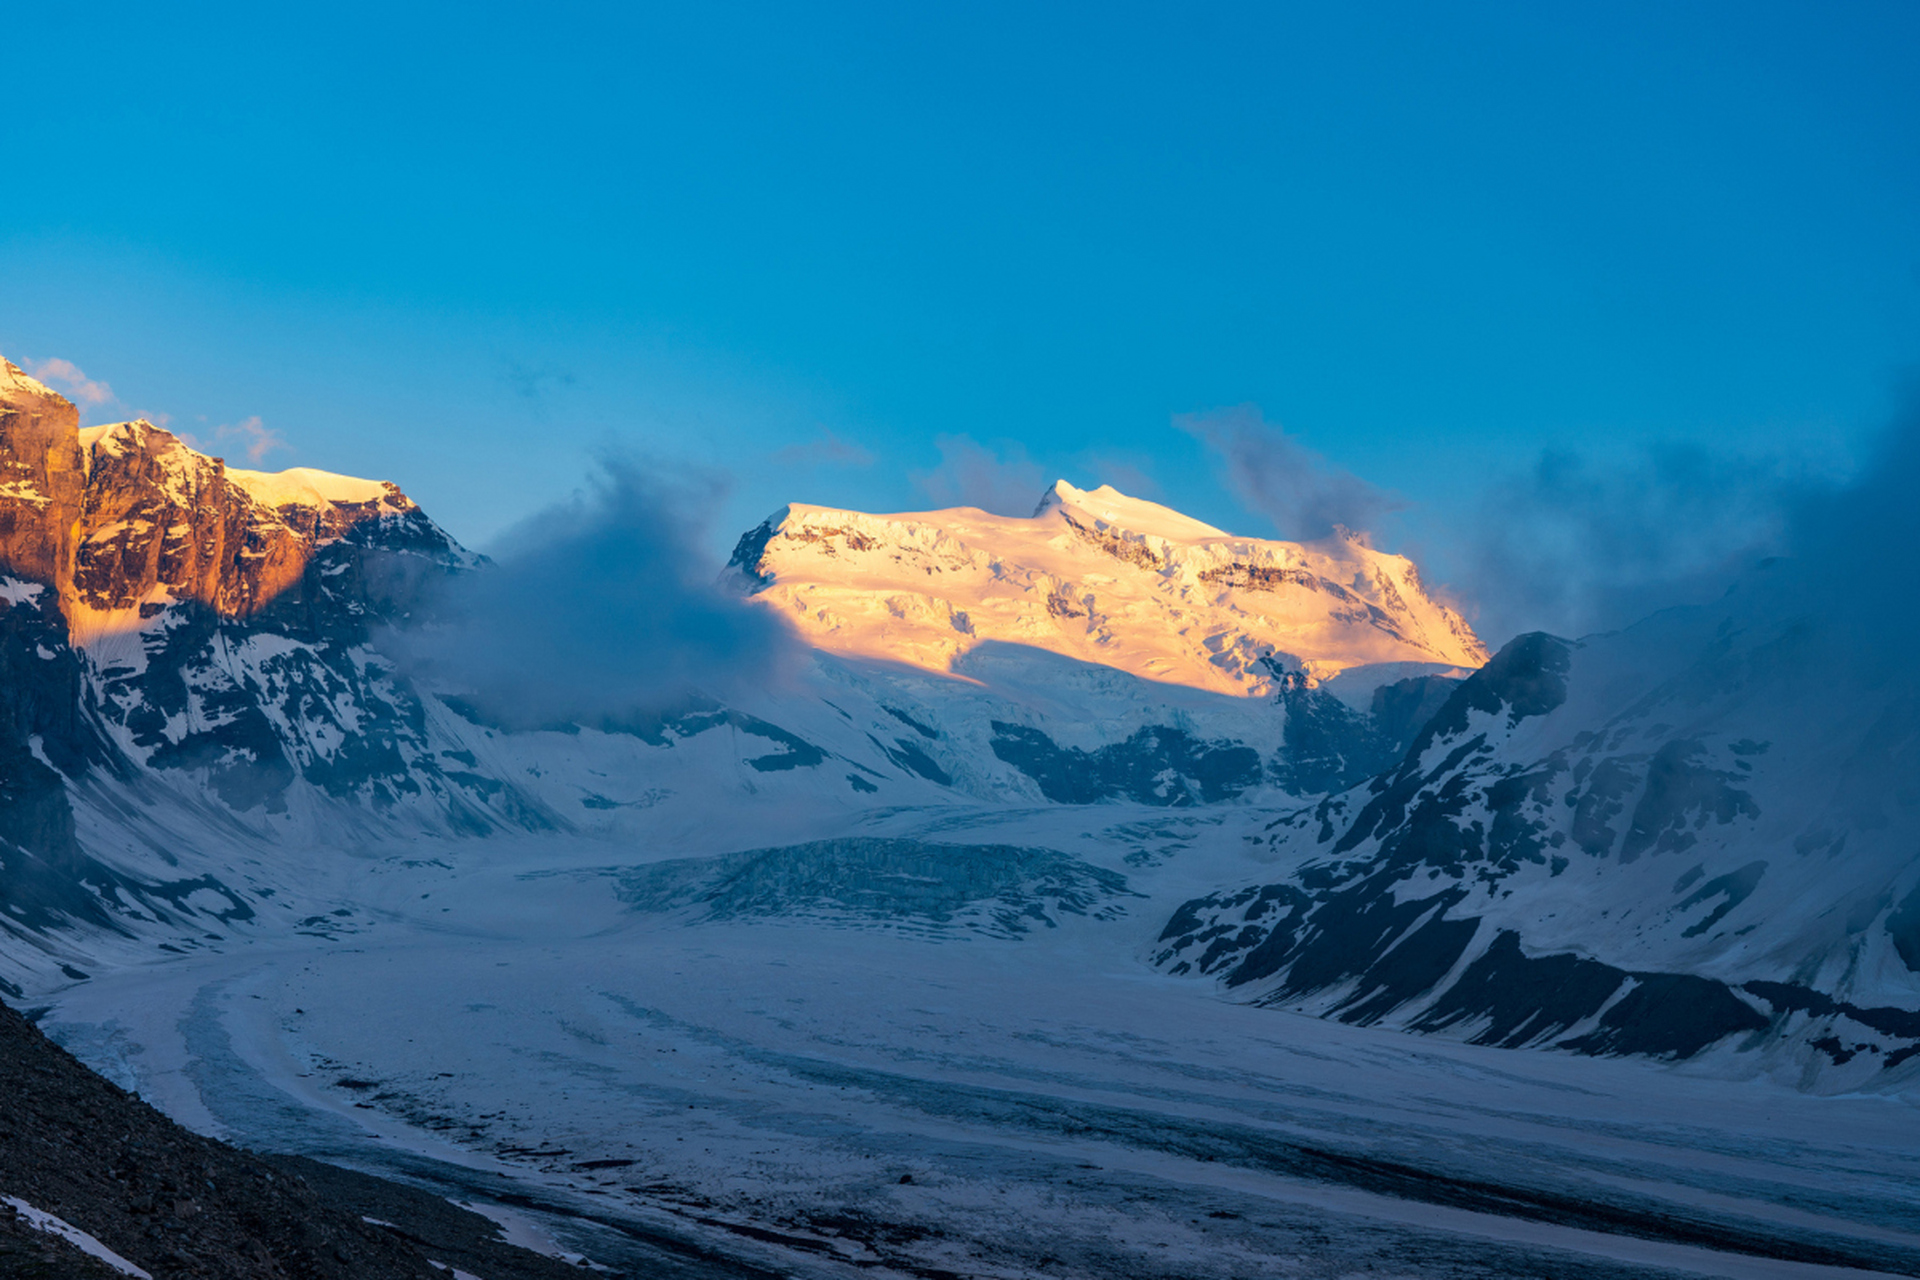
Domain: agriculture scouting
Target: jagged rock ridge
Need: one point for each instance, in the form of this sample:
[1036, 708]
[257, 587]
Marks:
[118, 517]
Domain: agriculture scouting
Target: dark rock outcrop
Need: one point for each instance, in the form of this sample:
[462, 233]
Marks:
[179, 1205]
[1157, 765]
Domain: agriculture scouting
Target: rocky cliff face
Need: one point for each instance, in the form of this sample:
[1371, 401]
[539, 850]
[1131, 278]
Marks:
[127, 519]
[42, 476]
[219, 618]
[228, 616]
[159, 521]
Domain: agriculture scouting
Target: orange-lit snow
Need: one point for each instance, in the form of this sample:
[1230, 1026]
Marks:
[1105, 579]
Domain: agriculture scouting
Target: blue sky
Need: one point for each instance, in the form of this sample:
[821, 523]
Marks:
[464, 247]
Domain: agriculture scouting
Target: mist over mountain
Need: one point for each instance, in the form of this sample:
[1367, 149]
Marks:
[603, 605]
[1273, 474]
[1573, 545]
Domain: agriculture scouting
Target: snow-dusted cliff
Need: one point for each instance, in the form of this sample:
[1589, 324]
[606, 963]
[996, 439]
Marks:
[1662, 840]
[125, 520]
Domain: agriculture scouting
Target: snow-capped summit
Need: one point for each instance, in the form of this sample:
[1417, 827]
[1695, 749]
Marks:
[1102, 578]
[1116, 508]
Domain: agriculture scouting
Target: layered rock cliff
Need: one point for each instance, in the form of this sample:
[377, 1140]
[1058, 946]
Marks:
[124, 520]
[42, 478]
[205, 619]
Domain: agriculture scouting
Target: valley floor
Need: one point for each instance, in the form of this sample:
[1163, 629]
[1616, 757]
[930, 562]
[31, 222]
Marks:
[828, 1096]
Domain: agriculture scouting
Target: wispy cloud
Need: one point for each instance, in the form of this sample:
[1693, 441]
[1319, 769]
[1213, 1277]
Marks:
[534, 382]
[254, 437]
[826, 449]
[1273, 474]
[629, 618]
[66, 376]
[1574, 546]
[1001, 479]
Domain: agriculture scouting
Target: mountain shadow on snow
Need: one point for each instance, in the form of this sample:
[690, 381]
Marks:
[1331, 746]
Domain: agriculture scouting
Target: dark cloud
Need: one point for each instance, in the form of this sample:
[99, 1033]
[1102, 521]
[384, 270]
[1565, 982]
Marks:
[604, 605]
[1001, 479]
[1574, 547]
[1852, 565]
[1271, 473]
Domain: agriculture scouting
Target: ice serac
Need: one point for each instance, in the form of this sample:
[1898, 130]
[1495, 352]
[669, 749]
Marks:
[1104, 579]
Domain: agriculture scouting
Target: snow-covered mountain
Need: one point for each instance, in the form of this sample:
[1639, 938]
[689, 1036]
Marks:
[223, 624]
[196, 675]
[1693, 834]
[1664, 841]
[1102, 579]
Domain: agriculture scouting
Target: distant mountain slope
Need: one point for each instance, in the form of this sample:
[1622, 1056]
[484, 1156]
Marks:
[1100, 578]
[1655, 841]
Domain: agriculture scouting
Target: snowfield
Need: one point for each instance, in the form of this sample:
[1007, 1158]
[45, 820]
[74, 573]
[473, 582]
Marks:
[878, 1081]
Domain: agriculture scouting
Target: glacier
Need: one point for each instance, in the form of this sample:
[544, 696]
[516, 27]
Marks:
[1102, 894]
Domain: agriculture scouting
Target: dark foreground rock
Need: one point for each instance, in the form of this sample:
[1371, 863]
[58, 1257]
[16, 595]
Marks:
[176, 1204]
